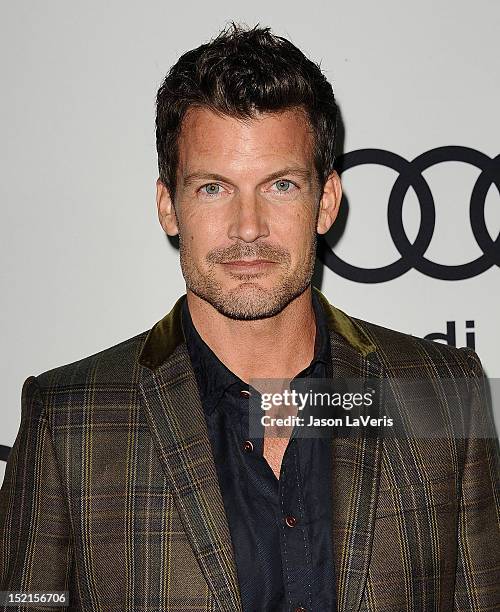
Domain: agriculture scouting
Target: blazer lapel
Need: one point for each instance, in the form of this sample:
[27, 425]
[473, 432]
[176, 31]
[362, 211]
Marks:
[175, 417]
[355, 480]
[355, 464]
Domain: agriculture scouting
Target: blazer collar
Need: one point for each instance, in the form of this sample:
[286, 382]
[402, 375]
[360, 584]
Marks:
[166, 335]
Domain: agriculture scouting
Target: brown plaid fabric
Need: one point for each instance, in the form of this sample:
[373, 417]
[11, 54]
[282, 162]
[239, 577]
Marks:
[111, 491]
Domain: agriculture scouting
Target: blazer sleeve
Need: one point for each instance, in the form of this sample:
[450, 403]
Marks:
[35, 543]
[477, 586]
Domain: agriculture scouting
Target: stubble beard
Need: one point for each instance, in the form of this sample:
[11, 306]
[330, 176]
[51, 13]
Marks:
[250, 301]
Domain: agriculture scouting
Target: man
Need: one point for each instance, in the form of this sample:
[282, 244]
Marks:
[134, 483]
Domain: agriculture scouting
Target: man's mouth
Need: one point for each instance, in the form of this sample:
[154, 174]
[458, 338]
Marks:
[248, 264]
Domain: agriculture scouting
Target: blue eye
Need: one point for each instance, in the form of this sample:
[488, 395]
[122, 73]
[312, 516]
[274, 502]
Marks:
[211, 189]
[283, 185]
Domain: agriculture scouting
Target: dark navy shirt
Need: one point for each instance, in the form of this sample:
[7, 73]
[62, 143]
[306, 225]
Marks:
[280, 528]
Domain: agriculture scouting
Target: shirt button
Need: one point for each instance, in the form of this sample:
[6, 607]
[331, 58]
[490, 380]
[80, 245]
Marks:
[244, 393]
[291, 521]
[247, 446]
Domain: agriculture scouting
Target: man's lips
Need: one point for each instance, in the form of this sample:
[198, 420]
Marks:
[248, 264]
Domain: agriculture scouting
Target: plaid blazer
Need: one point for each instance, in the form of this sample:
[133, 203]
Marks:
[111, 490]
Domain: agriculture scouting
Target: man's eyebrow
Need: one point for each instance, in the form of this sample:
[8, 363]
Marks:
[204, 176]
[299, 171]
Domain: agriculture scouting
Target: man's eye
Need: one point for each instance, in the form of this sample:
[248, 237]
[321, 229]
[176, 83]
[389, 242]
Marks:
[283, 185]
[211, 189]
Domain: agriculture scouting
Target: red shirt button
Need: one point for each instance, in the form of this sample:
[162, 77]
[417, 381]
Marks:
[291, 521]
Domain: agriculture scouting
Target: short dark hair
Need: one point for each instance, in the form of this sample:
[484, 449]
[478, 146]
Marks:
[241, 72]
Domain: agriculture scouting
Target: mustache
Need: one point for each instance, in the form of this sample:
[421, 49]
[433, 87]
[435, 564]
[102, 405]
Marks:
[248, 251]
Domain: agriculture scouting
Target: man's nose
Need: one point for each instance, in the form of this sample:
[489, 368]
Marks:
[248, 218]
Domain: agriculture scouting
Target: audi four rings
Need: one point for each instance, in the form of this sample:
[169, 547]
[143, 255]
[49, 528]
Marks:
[412, 254]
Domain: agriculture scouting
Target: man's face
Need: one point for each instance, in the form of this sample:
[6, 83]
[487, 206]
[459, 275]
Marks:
[246, 210]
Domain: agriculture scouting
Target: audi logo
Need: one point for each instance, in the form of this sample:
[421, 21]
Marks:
[413, 254]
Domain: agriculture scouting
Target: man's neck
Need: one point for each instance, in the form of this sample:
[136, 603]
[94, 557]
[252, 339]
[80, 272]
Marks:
[275, 347]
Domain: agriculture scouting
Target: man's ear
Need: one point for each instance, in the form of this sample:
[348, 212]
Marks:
[166, 211]
[329, 203]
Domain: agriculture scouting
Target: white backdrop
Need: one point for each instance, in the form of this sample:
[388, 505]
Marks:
[85, 262]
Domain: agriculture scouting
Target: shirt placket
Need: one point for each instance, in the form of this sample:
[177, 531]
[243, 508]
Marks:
[295, 545]
[291, 516]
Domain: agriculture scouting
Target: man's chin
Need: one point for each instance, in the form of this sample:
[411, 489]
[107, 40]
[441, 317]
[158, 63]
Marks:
[252, 303]
[247, 312]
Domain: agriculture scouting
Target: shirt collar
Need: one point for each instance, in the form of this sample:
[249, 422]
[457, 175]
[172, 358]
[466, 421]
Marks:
[214, 377]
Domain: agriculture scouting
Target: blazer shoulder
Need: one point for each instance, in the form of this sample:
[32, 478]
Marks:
[115, 364]
[400, 352]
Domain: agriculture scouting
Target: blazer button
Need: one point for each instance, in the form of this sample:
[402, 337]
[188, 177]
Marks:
[247, 446]
[300, 609]
[291, 521]
[244, 393]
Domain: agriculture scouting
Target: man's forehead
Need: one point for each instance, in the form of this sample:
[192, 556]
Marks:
[283, 138]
